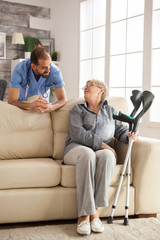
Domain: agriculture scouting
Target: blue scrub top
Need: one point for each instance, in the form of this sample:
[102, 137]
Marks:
[23, 75]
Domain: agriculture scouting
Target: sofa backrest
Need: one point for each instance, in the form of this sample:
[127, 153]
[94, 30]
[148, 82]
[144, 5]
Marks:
[24, 134]
[60, 122]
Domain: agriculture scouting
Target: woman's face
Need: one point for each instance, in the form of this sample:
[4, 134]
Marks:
[91, 91]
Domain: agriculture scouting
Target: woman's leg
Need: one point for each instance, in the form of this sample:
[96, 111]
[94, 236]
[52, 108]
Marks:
[104, 171]
[105, 163]
[85, 160]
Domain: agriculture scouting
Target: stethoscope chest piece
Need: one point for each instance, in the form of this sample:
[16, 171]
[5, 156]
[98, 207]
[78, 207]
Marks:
[45, 95]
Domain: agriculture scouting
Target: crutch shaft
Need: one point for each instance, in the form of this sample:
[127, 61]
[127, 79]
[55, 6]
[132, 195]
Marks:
[126, 221]
[128, 174]
[121, 179]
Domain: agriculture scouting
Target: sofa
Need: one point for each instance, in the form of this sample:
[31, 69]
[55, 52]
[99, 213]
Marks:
[36, 186]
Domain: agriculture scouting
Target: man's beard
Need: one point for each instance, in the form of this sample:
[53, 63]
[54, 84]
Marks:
[44, 75]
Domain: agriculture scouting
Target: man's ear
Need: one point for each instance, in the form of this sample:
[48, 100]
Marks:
[33, 66]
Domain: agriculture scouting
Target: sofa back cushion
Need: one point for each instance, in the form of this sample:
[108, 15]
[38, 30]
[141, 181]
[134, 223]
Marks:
[24, 134]
[60, 122]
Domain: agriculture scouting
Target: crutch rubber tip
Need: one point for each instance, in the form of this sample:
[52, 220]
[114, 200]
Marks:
[110, 220]
[126, 222]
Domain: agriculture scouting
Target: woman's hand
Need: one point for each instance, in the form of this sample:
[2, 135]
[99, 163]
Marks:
[134, 135]
[106, 146]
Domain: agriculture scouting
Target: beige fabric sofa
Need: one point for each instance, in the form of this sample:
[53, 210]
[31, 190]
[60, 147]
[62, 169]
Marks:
[34, 186]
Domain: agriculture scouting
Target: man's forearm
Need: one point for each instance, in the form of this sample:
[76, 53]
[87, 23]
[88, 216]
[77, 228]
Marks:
[40, 105]
[58, 104]
[22, 105]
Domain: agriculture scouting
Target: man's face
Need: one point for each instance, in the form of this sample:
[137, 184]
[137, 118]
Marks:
[43, 68]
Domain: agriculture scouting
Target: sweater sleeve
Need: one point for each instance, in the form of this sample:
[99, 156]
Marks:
[79, 134]
[121, 129]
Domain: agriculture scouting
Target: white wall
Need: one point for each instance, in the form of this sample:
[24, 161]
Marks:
[65, 29]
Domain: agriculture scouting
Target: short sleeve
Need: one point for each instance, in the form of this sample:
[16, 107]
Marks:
[16, 79]
[18, 75]
[57, 77]
[58, 80]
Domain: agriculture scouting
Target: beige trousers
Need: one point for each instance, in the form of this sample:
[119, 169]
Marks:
[94, 172]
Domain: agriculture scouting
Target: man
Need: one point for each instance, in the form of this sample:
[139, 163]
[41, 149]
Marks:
[35, 76]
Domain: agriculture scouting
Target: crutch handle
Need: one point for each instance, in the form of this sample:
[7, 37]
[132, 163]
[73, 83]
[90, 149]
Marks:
[125, 118]
[147, 98]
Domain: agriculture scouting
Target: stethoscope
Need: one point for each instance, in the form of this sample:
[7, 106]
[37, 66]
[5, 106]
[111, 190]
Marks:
[45, 94]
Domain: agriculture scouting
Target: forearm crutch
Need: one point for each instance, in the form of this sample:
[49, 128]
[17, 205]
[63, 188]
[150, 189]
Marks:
[146, 98]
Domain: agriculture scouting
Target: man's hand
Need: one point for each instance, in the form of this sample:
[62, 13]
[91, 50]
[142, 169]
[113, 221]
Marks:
[106, 146]
[40, 105]
[43, 106]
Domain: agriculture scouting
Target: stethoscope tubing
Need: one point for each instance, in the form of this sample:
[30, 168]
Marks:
[45, 94]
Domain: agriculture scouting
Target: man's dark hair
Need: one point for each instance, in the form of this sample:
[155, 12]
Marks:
[38, 53]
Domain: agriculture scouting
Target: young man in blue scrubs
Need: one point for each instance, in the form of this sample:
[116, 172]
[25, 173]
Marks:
[35, 76]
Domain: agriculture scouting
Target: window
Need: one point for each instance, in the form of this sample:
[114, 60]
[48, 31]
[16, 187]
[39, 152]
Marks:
[155, 79]
[126, 47]
[120, 44]
[92, 41]
[135, 56]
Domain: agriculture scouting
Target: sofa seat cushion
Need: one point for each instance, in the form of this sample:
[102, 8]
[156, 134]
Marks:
[29, 173]
[68, 175]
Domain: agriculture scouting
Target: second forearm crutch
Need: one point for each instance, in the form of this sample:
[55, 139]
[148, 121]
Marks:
[146, 98]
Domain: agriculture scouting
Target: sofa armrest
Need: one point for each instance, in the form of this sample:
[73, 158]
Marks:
[145, 161]
[146, 169]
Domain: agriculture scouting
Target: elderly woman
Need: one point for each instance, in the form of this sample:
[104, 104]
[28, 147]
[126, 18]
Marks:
[89, 147]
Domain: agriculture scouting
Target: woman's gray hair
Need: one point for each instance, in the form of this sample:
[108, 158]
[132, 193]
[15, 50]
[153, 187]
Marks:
[100, 84]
